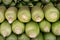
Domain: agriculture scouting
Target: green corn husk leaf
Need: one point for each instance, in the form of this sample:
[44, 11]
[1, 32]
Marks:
[56, 28]
[12, 37]
[13, 4]
[48, 5]
[0, 1]
[15, 1]
[51, 13]
[45, 26]
[11, 14]
[30, 4]
[37, 14]
[39, 4]
[2, 38]
[32, 29]
[24, 14]
[23, 37]
[18, 27]
[20, 5]
[39, 37]
[54, 0]
[19, 1]
[6, 2]
[2, 12]
[35, 0]
[45, 1]
[5, 29]
[26, 0]
[49, 36]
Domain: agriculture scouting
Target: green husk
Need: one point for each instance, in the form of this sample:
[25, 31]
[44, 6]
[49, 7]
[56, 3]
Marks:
[2, 38]
[56, 28]
[12, 37]
[24, 14]
[54, 0]
[30, 4]
[45, 26]
[2, 12]
[15, 1]
[45, 1]
[51, 13]
[23, 37]
[26, 0]
[6, 2]
[11, 14]
[18, 27]
[20, 4]
[5, 29]
[49, 36]
[32, 29]
[13, 4]
[37, 14]
[35, 0]
[0, 1]
[39, 4]
[39, 37]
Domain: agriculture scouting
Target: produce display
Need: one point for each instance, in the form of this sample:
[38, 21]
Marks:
[29, 19]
